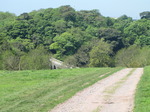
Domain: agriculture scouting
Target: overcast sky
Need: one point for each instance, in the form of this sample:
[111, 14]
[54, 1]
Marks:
[111, 8]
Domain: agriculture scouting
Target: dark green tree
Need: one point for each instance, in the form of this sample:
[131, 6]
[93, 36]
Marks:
[145, 15]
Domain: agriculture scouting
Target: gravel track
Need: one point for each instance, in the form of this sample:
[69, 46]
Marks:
[93, 98]
[123, 98]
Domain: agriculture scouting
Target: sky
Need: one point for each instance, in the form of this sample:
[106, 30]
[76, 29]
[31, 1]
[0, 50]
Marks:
[108, 8]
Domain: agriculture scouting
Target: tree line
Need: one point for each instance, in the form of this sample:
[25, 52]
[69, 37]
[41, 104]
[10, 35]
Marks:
[81, 38]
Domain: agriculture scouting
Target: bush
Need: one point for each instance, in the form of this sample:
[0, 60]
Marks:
[133, 56]
[10, 61]
[100, 55]
[81, 58]
[35, 60]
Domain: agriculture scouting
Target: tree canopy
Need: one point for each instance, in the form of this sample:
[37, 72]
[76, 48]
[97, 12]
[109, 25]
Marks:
[64, 32]
[145, 15]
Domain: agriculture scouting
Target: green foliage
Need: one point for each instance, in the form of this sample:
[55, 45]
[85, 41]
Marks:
[142, 96]
[10, 61]
[122, 22]
[68, 13]
[19, 44]
[6, 18]
[67, 43]
[24, 16]
[63, 43]
[143, 41]
[41, 90]
[81, 58]
[133, 56]
[60, 26]
[145, 15]
[100, 55]
[111, 36]
[17, 60]
[35, 60]
[91, 17]
[136, 30]
[62, 31]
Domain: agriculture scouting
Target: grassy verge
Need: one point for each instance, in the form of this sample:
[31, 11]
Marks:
[142, 97]
[40, 91]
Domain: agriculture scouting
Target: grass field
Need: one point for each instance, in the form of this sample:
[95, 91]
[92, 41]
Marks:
[142, 97]
[40, 91]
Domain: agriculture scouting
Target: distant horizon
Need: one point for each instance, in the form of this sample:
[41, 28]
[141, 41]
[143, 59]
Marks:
[17, 14]
[113, 8]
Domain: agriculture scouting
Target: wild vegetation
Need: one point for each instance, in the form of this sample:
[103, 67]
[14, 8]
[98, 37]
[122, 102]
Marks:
[82, 38]
[142, 98]
[41, 90]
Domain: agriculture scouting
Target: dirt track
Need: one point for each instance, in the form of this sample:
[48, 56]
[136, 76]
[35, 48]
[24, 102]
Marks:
[112, 94]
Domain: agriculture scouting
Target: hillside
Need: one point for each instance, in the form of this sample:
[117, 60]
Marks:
[81, 38]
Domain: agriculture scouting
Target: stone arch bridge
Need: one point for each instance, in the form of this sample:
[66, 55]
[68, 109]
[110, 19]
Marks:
[57, 64]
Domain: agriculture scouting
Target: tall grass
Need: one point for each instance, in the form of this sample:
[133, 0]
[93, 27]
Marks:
[40, 91]
[142, 97]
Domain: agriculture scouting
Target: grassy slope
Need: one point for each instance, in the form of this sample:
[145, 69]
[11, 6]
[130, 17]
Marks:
[142, 97]
[28, 91]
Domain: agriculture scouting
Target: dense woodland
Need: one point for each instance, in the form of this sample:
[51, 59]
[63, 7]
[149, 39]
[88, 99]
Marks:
[81, 38]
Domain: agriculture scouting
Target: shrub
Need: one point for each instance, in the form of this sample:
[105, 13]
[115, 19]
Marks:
[133, 56]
